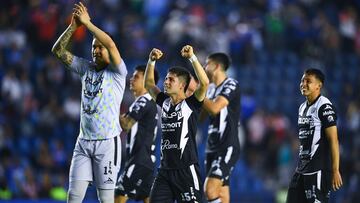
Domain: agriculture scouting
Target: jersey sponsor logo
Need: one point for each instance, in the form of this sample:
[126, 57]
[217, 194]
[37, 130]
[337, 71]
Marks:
[231, 84]
[327, 107]
[303, 134]
[227, 91]
[303, 152]
[170, 126]
[330, 118]
[228, 88]
[109, 181]
[165, 144]
[137, 105]
[330, 112]
[308, 120]
[171, 115]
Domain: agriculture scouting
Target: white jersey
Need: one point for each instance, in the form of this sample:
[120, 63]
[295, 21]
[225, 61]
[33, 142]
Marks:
[101, 96]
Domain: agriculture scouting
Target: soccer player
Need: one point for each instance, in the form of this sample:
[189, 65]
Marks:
[318, 167]
[222, 103]
[178, 176]
[140, 122]
[97, 151]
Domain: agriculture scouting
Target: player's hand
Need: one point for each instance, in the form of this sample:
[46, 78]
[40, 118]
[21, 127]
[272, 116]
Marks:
[155, 54]
[187, 51]
[81, 14]
[336, 180]
[75, 21]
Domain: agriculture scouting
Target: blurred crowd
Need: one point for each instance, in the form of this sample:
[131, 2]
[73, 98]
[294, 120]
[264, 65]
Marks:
[270, 43]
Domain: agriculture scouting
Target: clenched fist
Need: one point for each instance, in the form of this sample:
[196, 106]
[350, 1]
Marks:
[187, 51]
[155, 54]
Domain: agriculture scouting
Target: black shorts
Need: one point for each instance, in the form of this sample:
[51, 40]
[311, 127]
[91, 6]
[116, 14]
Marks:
[220, 164]
[135, 182]
[312, 187]
[182, 185]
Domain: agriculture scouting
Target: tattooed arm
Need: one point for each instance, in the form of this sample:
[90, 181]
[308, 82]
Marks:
[59, 48]
[81, 13]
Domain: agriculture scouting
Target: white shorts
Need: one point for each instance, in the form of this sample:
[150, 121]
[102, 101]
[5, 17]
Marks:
[96, 160]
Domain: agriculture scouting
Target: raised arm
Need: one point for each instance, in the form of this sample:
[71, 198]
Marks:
[188, 52]
[331, 134]
[81, 13]
[60, 47]
[149, 78]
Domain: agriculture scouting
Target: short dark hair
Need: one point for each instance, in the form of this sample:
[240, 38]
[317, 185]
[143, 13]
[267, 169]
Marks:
[142, 68]
[317, 73]
[221, 58]
[181, 73]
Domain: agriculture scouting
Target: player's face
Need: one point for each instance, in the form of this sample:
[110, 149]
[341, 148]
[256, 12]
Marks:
[99, 53]
[210, 68]
[172, 84]
[137, 81]
[309, 85]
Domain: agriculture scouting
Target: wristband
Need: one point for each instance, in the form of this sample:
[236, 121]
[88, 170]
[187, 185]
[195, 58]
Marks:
[193, 58]
[151, 62]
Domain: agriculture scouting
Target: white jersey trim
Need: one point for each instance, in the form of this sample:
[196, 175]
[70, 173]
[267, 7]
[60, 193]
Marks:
[195, 178]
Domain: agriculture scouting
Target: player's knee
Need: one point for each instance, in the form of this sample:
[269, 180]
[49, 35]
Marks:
[106, 196]
[74, 196]
[76, 191]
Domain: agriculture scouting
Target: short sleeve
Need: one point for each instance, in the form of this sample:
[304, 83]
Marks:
[120, 68]
[79, 65]
[139, 108]
[230, 90]
[327, 115]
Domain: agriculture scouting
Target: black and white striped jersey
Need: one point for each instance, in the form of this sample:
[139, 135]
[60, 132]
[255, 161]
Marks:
[178, 126]
[223, 128]
[314, 151]
[140, 143]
